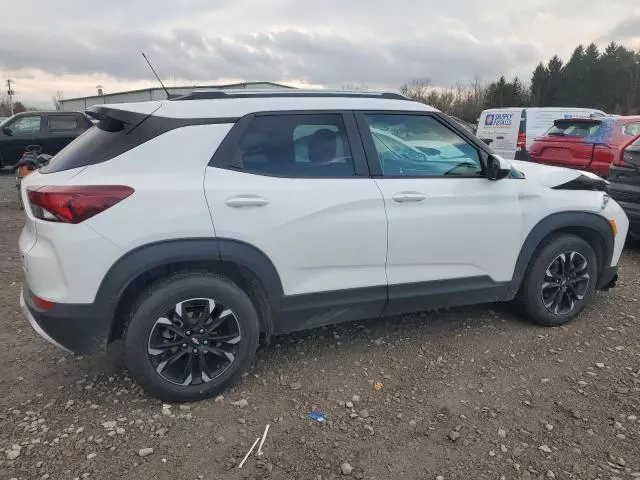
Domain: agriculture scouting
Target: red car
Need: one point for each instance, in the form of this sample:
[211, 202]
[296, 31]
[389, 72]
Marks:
[585, 143]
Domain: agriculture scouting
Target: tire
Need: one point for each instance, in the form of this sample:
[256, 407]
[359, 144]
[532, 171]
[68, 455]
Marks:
[539, 292]
[159, 327]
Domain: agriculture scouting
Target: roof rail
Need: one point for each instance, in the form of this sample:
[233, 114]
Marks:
[230, 94]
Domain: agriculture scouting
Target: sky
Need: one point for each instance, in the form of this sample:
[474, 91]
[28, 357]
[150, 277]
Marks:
[71, 46]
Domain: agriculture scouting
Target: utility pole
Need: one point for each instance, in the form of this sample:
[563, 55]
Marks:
[10, 93]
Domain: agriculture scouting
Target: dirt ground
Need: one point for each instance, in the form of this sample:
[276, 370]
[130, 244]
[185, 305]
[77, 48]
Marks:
[469, 393]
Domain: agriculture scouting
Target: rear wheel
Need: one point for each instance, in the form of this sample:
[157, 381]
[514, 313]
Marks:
[560, 280]
[189, 336]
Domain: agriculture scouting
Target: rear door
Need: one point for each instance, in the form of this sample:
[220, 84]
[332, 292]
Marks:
[17, 134]
[569, 143]
[296, 186]
[501, 128]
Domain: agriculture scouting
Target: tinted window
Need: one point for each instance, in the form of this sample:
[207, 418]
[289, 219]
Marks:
[575, 128]
[26, 124]
[297, 146]
[419, 145]
[62, 122]
[631, 129]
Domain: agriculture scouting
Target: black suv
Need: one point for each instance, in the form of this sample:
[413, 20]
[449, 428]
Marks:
[51, 130]
[625, 185]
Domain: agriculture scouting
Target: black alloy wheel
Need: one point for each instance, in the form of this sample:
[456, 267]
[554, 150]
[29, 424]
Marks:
[194, 342]
[565, 283]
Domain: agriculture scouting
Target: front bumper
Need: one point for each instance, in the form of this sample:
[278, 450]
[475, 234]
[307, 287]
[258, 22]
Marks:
[72, 327]
[633, 213]
[608, 278]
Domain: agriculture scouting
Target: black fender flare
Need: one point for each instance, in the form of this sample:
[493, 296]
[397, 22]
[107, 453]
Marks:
[556, 222]
[144, 258]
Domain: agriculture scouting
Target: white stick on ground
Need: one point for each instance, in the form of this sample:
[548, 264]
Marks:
[249, 452]
[264, 437]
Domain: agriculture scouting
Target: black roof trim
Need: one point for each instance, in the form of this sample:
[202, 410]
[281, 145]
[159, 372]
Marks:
[213, 95]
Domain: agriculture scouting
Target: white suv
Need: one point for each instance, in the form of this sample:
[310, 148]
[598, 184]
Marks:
[193, 227]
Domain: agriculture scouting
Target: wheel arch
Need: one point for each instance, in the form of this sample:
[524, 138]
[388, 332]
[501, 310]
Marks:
[591, 227]
[242, 263]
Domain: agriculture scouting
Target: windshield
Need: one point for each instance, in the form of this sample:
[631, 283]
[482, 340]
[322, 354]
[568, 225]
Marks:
[575, 128]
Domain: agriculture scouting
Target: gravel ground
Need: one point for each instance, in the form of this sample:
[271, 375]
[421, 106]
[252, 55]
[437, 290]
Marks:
[469, 393]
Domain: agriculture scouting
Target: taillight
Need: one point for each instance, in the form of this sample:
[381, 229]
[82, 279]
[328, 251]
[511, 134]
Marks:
[74, 204]
[521, 144]
[42, 304]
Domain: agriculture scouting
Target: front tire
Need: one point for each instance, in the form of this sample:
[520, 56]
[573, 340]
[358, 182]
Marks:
[560, 280]
[189, 336]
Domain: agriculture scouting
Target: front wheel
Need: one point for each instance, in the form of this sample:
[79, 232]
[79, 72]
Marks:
[189, 336]
[560, 280]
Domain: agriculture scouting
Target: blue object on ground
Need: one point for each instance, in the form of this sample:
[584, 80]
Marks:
[317, 416]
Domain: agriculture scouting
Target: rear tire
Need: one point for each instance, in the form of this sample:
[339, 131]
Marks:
[189, 336]
[560, 280]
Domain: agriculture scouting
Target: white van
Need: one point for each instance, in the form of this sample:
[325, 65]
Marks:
[511, 131]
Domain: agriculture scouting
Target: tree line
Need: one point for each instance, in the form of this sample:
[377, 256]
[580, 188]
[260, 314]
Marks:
[607, 80]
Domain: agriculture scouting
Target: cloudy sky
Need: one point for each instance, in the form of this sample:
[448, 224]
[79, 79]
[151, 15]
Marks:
[73, 45]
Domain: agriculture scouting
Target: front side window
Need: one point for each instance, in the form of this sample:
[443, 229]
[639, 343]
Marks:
[26, 124]
[419, 145]
[297, 146]
[59, 123]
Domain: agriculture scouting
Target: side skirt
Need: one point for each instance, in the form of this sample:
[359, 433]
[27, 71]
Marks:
[302, 312]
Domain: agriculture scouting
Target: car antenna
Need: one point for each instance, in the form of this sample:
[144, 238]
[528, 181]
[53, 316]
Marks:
[156, 74]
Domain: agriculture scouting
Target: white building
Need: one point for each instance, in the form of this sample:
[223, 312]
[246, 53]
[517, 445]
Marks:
[147, 94]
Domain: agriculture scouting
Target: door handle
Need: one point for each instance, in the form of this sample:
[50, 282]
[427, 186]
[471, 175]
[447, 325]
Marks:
[246, 201]
[403, 197]
[500, 138]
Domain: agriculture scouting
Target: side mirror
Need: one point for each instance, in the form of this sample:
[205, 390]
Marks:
[7, 131]
[497, 167]
[631, 155]
[488, 141]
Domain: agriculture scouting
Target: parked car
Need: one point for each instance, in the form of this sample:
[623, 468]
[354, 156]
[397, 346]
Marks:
[51, 130]
[625, 184]
[291, 210]
[587, 143]
[512, 131]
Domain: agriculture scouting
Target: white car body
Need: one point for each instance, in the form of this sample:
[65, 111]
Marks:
[322, 235]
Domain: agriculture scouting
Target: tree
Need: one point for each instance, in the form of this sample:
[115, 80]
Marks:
[573, 90]
[18, 107]
[539, 85]
[552, 96]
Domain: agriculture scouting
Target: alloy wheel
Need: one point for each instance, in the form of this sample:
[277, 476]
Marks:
[565, 283]
[194, 342]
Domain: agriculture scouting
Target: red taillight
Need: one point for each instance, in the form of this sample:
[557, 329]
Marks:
[74, 204]
[41, 303]
[521, 144]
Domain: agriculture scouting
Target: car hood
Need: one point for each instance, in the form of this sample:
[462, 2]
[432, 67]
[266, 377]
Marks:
[560, 177]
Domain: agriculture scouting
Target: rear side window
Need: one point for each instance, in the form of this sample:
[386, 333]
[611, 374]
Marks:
[568, 128]
[62, 123]
[297, 146]
[631, 129]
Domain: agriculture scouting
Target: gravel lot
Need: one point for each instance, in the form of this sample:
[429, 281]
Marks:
[469, 393]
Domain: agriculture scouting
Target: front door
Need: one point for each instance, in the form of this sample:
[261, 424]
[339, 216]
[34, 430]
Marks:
[297, 188]
[17, 133]
[454, 236]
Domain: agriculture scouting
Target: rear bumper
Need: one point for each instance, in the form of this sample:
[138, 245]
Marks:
[72, 327]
